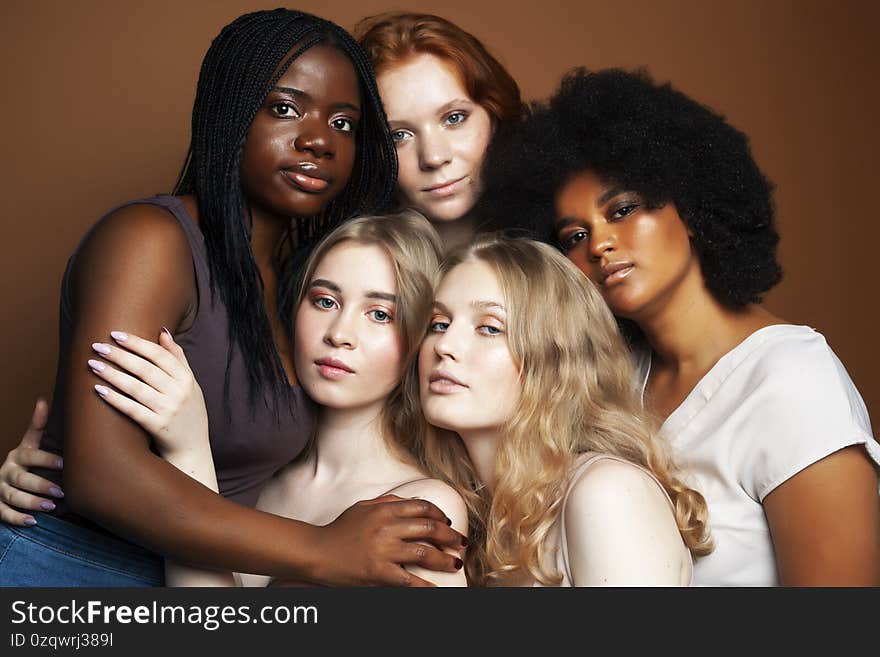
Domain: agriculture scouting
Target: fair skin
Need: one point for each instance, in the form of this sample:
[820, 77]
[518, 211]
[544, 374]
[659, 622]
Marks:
[349, 356]
[441, 136]
[136, 272]
[620, 529]
[824, 520]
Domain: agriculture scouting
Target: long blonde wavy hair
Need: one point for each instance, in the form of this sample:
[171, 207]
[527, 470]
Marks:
[414, 249]
[578, 395]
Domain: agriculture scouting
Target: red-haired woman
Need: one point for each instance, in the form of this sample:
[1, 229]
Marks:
[445, 96]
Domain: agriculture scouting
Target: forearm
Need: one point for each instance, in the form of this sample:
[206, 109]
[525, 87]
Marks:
[152, 504]
[180, 575]
[196, 461]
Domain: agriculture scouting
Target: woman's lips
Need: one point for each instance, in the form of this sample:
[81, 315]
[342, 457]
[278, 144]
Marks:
[447, 189]
[617, 274]
[330, 372]
[332, 369]
[444, 386]
[306, 183]
[443, 383]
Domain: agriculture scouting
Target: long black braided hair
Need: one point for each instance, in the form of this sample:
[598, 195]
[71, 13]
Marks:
[242, 65]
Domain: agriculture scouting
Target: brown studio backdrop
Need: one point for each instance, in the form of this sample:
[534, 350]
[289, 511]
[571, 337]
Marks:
[98, 95]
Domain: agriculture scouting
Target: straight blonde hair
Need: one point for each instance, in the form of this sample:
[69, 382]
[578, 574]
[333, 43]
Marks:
[414, 249]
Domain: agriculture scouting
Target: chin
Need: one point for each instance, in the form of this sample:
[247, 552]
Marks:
[449, 212]
[325, 393]
[445, 218]
[623, 305]
[436, 417]
[318, 396]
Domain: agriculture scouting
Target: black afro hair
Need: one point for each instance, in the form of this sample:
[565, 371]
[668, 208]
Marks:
[652, 139]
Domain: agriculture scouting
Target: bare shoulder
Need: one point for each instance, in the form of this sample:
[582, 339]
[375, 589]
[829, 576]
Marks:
[441, 494]
[614, 497]
[139, 228]
[613, 480]
[136, 257]
[447, 499]
[620, 529]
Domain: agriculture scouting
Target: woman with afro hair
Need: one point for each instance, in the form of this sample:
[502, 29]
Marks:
[658, 200]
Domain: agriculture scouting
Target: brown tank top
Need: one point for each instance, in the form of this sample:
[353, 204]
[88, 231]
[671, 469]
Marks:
[248, 447]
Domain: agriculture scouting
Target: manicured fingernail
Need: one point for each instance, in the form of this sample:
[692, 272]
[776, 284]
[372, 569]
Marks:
[59, 463]
[56, 492]
[464, 541]
[96, 365]
[47, 506]
[119, 336]
[101, 390]
[168, 332]
[458, 563]
[30, 522]
[101, 348]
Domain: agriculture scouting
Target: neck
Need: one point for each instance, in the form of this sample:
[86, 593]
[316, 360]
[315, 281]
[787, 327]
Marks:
[266, 234]
[691, 329]
[482, 449]
[350, 446]
[456, 233]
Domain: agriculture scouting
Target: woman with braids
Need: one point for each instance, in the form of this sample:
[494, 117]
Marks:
[527, 385]
[288, 140]
[445, 96]
[658, 200]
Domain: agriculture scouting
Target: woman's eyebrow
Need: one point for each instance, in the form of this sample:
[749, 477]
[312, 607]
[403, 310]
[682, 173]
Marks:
[299, 93]
[452, 104]
[610, 194]
[488, 305]
[372, 294]
[323, 282]
[563, 222]
[292, 91]
[382, 295]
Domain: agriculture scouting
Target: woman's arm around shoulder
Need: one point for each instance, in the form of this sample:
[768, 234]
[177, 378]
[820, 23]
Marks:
[620, 530]
[133, 273]
[447, 499]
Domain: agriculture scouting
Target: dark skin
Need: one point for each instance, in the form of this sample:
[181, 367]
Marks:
[135, 274]
[824, 520]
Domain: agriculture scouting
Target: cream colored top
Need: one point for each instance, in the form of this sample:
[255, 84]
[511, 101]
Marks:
[610, 549]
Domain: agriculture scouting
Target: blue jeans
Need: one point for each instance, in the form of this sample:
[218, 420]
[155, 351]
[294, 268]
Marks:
[59, 553]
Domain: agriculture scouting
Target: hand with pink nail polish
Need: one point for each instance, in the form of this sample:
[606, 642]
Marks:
[19, 488]
[153, 385]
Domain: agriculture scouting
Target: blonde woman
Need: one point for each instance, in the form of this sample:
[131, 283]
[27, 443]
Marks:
[526, 387]
[361, 311]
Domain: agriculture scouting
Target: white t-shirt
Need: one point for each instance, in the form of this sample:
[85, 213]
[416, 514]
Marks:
[776, 403]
